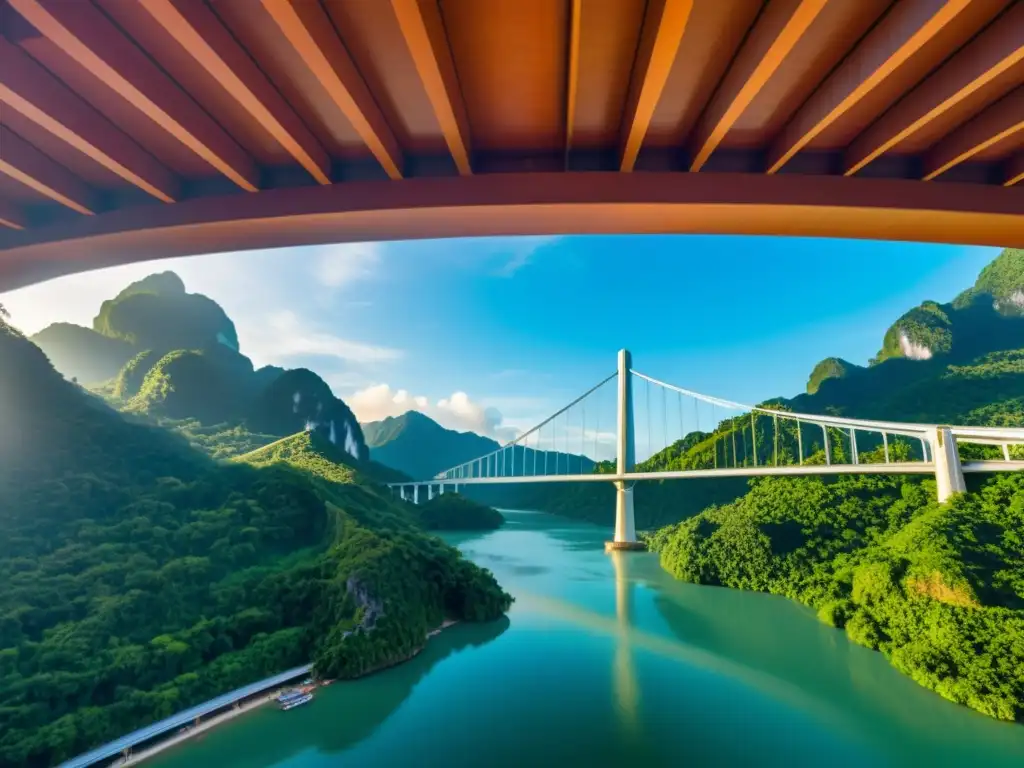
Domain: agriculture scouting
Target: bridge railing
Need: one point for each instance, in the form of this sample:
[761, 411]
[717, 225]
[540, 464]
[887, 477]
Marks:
[887, 446]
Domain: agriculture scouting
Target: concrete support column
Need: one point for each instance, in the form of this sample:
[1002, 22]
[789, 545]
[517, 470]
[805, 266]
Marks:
[949, 475]
[625, 523]
[430, 492]
[441, 490]
[415, 494]
[401, 492]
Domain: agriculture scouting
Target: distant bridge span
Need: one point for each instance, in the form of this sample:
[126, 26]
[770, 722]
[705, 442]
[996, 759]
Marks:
[789, 447]
[140, 129]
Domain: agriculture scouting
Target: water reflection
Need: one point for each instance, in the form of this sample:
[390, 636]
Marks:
[625, 687]
[346, 714]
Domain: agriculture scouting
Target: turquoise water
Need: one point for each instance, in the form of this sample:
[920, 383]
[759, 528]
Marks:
[607, 660]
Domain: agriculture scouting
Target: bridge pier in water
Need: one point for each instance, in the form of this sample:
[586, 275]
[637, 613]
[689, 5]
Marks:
[625, 522]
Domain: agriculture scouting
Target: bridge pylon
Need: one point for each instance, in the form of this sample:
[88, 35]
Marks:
[625, 522]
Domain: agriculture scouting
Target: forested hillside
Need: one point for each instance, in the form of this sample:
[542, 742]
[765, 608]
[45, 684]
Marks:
[938, 588]
[141, 576]
[172, 358]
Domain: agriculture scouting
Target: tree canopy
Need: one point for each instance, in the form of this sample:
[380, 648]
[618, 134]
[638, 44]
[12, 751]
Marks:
[141, 576]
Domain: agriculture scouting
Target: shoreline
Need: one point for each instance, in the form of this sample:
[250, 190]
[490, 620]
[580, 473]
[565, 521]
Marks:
[248, 706]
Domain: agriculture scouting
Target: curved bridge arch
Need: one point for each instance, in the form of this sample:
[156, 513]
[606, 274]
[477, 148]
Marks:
[135, 129]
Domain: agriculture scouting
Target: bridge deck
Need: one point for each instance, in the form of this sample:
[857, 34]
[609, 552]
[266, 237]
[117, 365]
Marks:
[902, 468]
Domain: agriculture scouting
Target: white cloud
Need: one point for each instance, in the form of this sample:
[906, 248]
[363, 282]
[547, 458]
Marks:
[283, 334]
[336, 266]
[458, 411]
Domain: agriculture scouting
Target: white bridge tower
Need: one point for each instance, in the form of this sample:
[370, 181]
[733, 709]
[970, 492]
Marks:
[625, 523]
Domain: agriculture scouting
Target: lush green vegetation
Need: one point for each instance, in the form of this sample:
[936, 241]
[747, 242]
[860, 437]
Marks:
[82, 353]
[1001, 282]
[299, 399]
[140, 576]
[454, 512]
[140, 312]
[130, 379]
[920, 334]
[417, 445]
[183, 384]
[154, 314]
[939, 589]
[829, 368]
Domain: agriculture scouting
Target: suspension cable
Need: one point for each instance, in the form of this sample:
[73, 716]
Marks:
[650, 452]
[682, 429]
[583, 433]
[714, 432]
[664, 415]
[546, 454]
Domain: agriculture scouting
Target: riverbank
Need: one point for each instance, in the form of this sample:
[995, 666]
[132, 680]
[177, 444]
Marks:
[197, 730]
[248, 706]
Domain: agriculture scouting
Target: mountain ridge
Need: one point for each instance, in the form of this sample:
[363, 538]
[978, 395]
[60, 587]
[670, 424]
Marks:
[141, 576]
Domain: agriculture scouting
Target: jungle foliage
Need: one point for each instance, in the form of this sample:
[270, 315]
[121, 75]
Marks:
[454, 512]
[141, 576]
[937, 588]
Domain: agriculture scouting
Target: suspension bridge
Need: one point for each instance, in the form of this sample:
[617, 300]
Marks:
[686, 434]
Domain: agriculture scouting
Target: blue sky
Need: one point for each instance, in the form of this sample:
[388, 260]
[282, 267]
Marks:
[495, 334]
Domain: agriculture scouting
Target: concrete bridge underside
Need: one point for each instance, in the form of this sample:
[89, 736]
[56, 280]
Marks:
[137, 129]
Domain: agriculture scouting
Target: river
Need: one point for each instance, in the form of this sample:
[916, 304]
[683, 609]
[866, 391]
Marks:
[606, 660]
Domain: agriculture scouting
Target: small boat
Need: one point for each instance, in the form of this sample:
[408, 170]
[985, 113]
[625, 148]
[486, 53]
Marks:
[293, 699]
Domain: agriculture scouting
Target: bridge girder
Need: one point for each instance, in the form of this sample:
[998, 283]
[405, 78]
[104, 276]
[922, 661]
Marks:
[149, 128]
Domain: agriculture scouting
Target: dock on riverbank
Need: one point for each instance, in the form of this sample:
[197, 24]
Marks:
[153, 738]
[139, 745]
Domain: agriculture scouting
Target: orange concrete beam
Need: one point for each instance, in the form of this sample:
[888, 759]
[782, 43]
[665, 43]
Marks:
[523, 203]
[201, 34]
[1014, 170]
[24, 163]
[423, 29]
[572, 84]
[664, 25]
[85, 34]
[777, 31]
[904, 31]
[310, 32]
[989, 55]
[10, 216]
[1000, 121]
[29, 89]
